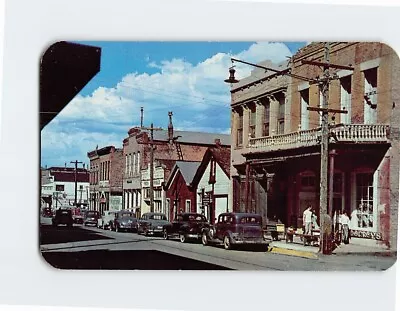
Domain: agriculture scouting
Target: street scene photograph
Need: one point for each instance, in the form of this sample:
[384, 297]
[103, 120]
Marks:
[280, 156]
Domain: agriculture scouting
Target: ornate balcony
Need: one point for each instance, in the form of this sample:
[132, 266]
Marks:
[349, 133]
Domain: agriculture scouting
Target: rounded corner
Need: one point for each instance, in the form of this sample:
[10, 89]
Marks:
[49, 50]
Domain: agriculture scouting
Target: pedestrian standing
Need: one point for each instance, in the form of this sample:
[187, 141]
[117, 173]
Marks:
[345, 221]
[307, 220]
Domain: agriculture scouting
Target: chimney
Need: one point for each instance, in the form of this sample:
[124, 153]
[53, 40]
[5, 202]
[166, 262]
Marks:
[170, 127]
[217, 142]
[141, 117]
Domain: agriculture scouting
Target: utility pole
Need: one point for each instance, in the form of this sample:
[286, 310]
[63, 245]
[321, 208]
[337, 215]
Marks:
[151, 143]
[76, 179]
[325, 135]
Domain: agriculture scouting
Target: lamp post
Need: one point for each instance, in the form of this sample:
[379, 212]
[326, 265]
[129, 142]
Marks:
[323, 83]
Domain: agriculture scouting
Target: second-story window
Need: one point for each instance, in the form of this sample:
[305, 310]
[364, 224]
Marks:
[281, 116]
[126, 164]
[134, 163]
[239, 142]
[370, 95]
[252, 121]
[304, 102]
[345, 99]
[266, 118]
[138, 163]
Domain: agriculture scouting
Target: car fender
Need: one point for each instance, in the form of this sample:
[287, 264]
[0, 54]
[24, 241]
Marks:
[210, 231]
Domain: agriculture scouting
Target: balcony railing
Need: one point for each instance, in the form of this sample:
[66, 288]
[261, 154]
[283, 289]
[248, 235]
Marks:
[355, 133]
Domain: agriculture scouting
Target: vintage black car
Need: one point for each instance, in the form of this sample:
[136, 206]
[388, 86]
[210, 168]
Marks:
[233, 229]
[152, 223]
[186, 226]
[91, 218]
[63, 216]
[124, 221]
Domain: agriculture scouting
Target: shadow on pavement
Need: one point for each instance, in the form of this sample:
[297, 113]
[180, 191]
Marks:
[63, 234]
[125, 260]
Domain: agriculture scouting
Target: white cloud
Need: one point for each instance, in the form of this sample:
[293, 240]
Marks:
[195, 93]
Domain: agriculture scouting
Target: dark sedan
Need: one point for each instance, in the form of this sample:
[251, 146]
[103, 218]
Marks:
[91, 218]
[186, 226]
[152, 223]
[125, 221]
[234, 229]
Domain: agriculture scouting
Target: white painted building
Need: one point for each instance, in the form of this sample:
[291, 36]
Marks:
[58, 186]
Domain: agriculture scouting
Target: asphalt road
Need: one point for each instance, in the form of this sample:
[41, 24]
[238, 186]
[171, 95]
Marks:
[92, 248]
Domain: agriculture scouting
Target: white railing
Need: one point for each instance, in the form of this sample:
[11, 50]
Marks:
[357, 133]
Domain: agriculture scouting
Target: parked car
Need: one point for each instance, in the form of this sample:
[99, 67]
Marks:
[124, 221]
[47, 212]
[91, 218]
[186, 226]
[152, 223]
[77, 215]
[234, 229]
[106, 220]
[63, 216]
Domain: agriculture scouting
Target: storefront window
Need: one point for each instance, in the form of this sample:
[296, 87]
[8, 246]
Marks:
[364, 197]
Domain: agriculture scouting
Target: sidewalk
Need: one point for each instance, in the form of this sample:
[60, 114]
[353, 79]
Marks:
[312, 252]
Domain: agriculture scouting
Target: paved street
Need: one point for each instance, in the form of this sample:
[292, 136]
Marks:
[92, 248]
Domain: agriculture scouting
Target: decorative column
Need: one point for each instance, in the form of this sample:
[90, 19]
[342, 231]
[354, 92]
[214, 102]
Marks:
[246, 124]
[273, 115]
[234, 126]
[260, 112]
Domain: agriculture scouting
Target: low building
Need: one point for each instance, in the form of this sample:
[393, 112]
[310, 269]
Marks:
[180, 195]
[58, 186]
[106, 169]
[211, 183]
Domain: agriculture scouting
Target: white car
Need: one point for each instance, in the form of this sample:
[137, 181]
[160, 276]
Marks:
[106, 220]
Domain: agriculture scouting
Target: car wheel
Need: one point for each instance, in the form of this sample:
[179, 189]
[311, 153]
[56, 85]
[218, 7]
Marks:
[204, 238]
[182, 238]
[165, 234]
[227, 242]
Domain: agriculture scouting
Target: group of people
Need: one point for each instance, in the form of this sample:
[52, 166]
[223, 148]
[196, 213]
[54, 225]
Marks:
[341, 223]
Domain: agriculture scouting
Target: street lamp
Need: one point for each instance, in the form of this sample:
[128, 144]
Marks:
[231, 78]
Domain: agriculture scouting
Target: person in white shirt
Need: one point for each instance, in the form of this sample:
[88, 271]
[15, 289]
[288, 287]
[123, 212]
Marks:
[307, 220]
[345, 222]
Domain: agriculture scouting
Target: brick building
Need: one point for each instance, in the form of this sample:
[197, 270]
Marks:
[276, 156]
[106, 169]
[169, 145]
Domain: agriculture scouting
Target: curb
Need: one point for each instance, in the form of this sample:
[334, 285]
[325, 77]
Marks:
[376, 254]
[292, 252]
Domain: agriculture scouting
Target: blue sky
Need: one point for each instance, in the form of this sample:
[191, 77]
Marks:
[183, 77]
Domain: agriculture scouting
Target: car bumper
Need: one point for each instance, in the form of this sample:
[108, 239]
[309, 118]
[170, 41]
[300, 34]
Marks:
[258, 241]
[193, 235]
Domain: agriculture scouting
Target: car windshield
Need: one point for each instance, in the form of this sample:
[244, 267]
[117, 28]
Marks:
[91, 214]
[250, 220]
[196, 217]
[158, 217]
